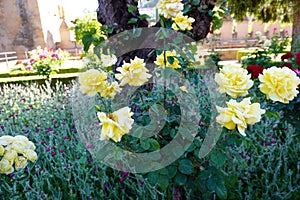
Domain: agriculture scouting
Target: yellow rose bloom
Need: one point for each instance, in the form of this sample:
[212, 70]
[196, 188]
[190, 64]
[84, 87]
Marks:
[19, 143]
[133, 73]
[115, 124]
[10, 155]
[162, 60]
[92, 81]
[182, 22]
[6, 140]
[18, 146]
[239, 114]
[20, 162]
[30, 145]
[110, 90]
[30, 155]
[233, 80]
[1, 150]
[169, 8]
[6, 167]
[11, 148]
[279, 84]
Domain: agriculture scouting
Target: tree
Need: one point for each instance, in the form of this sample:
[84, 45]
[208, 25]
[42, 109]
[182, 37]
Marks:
[120, 15]
[269, 11]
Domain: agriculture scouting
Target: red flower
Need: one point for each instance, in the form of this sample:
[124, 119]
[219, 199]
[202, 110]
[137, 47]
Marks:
[298, 58]
[211, 31]
[288, 65]
[287, 56]
[255, 70]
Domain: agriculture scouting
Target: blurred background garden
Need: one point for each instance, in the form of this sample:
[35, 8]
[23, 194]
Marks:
[46, 47]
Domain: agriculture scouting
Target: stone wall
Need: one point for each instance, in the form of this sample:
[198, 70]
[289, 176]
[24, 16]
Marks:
[26, 24]
[20, 26]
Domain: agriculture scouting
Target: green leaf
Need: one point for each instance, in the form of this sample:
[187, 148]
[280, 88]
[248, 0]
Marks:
[211, 184]
[180, 179]
[87, 41]
[163, 181]
[145, 144]
[153, 178]
[191, 148]
[272, 114]
[132, 8]
[221, 190]
[98, 107]
[154, 144]
[144, 16]
[195, 2]
[172, 170]
[170, 59]
[218, 158]
[186, 166]
[132, 20]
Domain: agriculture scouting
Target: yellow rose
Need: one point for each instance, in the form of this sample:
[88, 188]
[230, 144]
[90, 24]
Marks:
[239, 114]
[92, 81]
[10, 155]
[30, 145]
[6, 140]
[21, 138]
[30, 155]
[182, 22]
[19, 146]
[110, 90]
[279, 84]
[19, 143]
[116, 124]
[1, 150]
[169, 8]
[6, 167]
[133, 73]
[20, 162]
[162, 60]
[233, 80]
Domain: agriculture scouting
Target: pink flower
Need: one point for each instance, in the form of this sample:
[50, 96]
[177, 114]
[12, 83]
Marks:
[66, 137]
[125, 173]
[141, 182]
[105, 185]
[42, 56]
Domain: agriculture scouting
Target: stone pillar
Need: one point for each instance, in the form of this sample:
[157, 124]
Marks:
[21, 52]
[64, 31]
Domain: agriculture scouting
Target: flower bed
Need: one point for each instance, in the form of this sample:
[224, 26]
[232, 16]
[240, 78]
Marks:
[64, 168]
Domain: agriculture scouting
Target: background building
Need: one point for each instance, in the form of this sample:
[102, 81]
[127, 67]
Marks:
[26, 24]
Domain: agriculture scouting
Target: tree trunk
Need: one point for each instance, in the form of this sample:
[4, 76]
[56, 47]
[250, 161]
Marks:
[115, 14]
[296, 27]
